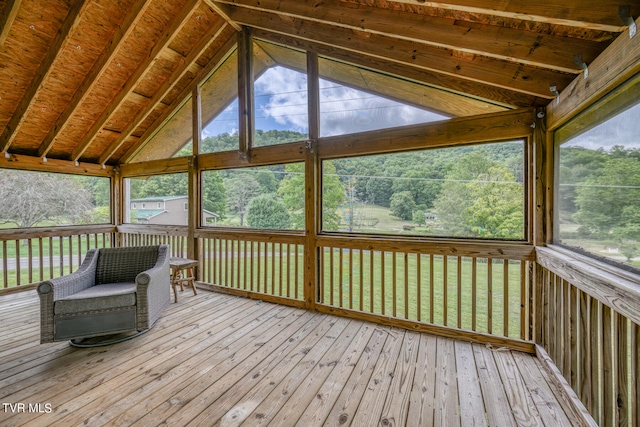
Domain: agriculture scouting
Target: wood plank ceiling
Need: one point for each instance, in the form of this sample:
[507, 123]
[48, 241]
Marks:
[85, 80]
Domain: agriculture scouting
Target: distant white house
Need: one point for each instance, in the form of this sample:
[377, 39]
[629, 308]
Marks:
[168, 210]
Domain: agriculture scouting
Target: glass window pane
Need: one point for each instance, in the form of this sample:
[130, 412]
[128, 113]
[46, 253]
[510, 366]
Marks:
[41, 199]
[354, 99]
[473, 191]
[269, 197]
[219, 100]
[280, 95]
[598, 198]
[157, 199]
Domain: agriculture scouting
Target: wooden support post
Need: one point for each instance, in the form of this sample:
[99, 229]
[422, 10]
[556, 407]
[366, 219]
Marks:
[119, 203]
[245, 91]
[194, 181]
[312, 183]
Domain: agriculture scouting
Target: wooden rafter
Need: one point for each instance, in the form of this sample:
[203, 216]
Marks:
[590, 14]
[92, 78]
[45, 68]
[512, 76]
[167, 37]
[221, 55]
[224, 16]
[186, 63]
[7, 17]
[509, 44]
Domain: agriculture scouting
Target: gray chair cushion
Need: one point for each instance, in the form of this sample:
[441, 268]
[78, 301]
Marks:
[99, 297]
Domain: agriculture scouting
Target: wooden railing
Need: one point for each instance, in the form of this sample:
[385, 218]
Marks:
[586, 318]
[466, 287]
[269, 264]
[36, 254]
[144, 235]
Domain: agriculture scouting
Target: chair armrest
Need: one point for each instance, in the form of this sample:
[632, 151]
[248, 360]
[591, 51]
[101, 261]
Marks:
[153, 289]
[51, 290]
[82, 278]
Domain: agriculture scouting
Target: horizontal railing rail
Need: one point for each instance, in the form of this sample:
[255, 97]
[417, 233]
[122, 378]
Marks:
[586, 319]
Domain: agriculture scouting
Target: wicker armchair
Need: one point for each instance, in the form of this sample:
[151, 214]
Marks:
[115, 290]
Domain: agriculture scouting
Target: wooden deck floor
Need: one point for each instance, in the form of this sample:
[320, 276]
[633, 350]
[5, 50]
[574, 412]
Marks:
[215, 359]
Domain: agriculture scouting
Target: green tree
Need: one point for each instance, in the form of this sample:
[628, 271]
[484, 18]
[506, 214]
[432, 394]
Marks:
[240, 189]
[267, 181]
[402, 205]
[214, 194]
[379, 190]
[31, 197]
[481, 198]
[268, 211]
[332, 197]
[291, 189]
[603, 200]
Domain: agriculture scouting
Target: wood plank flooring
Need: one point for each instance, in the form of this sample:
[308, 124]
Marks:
[220, 360]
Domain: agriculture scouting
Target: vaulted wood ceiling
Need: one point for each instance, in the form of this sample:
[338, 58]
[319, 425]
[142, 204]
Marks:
[89, 80]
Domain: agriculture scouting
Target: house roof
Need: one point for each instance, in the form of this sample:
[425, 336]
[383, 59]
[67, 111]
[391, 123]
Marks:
[148, 213]
[157, 199]
[92, 80]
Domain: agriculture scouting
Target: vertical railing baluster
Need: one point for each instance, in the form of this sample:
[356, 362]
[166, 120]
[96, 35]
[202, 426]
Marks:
[505, 297]
[622, 375]
[474, 293]
[419, 287]
[30, 259]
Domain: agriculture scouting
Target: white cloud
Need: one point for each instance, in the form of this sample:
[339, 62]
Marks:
[622, 129]
[281, 97]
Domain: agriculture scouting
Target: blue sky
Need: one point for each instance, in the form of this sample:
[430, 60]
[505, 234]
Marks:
[281, 103]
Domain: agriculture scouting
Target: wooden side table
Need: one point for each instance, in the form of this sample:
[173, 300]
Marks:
[182, 273]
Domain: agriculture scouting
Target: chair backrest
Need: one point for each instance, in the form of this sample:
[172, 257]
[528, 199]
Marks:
[117, 265]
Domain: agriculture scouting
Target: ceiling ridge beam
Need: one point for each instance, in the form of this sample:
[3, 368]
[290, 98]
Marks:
[28, 99]
[178, 22]
[518, 77]
[185, 64]
[97, 70]
[7, 17]
[544, 11]
[221, 55]
[509, 44]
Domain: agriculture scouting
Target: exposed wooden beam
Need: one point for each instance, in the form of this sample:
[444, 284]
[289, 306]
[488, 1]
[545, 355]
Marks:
[221, 55]
[98, 69]
[619, 62]
[154, 167]
[185, 64]
[464, 130]
[224, 16]
[517, 77]
[509, 44]
[165, 39]
[590, 14]
[7, 17]
[18, 161]
[62, 38]
[245, 91]
[500, 96]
